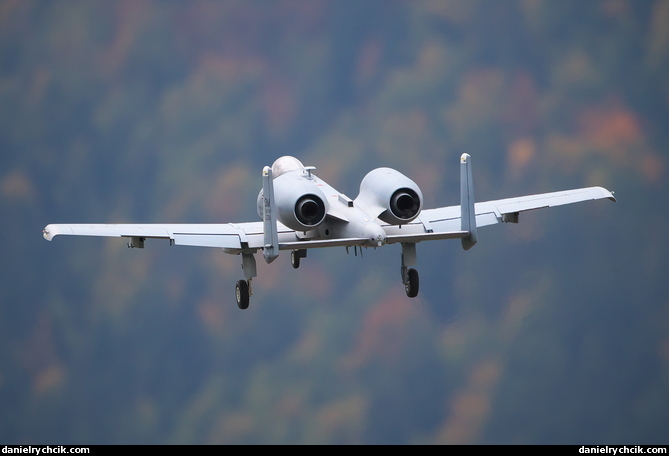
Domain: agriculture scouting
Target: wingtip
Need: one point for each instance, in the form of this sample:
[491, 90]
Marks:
[609, 195]
[606, 194]
[50, 231]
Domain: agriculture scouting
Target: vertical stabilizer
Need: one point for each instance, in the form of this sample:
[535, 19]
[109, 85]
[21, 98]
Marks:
[467, 210]
[271, 241]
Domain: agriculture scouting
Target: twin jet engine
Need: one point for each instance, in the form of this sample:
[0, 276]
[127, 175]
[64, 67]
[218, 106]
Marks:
[303, 202]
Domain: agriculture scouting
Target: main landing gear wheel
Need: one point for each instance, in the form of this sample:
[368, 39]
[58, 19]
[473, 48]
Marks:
[242, 294]
[295, 258]
[411, 285]
[296, 255]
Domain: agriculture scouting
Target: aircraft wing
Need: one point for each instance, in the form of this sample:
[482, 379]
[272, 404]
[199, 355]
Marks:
[445, 222]
[205, 235]
[527, 203]
[230, 236]
[432, 224]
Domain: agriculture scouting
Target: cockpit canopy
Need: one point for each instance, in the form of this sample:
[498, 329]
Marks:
[285, 164]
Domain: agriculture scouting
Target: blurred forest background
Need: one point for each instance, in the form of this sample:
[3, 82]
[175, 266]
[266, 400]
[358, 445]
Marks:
[555, 330]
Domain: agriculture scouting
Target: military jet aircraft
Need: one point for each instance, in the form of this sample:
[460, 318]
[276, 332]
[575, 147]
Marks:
[299, 211]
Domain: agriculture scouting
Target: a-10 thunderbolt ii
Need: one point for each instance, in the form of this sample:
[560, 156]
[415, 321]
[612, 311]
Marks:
[299, 211]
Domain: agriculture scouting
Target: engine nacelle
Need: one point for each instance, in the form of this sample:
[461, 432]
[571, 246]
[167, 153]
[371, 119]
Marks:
[390, 196]
[299, 203]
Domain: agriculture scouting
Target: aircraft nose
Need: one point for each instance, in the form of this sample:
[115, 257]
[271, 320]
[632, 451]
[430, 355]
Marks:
[377, 237]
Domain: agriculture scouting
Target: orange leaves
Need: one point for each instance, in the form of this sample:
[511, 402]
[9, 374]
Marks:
[478, 102]
[39, 358]
[384, 330]
[652, 167]
[612, 130]
[130, 17]
[280, 105]
[616, 132]
[520, 154]
[222, 202]
[18, 186]
[470, 406]
[369, 61]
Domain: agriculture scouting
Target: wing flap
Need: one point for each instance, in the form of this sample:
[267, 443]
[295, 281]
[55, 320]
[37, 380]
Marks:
[107, 230]
[224, 241]
[531, 202]
[319, 243]
[201, 235]
[418, 237]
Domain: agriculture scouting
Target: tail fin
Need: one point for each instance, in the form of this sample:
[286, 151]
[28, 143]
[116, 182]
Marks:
[467, 210]
[271, 241]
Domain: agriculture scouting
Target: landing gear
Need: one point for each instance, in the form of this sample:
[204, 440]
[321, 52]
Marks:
[409, 275]
[296, 255]
[411, 284]
[242, 294]
[243, 289]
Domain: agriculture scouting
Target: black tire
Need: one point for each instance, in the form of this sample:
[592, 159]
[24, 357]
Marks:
[412, 283]
[242, 294]
[295, 258]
